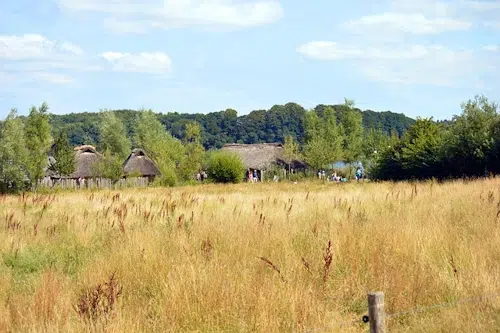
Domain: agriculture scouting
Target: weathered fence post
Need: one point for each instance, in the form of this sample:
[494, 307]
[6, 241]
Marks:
[376, 313]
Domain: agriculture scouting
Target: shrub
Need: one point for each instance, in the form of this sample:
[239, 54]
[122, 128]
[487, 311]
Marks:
[168, 175]
[224, 167]
[297, 176]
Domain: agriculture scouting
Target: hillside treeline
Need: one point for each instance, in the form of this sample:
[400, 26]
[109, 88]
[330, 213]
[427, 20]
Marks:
[319, 137]
[466, 146]
[219, 128]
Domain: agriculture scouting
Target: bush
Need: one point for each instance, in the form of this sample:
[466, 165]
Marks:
[168, 175]
[297, 176]
[224, 167]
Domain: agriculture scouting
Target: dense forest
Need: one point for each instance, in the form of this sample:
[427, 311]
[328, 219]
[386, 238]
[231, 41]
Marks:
[219, 128]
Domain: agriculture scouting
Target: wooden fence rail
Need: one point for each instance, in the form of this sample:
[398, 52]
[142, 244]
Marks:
[66, 183]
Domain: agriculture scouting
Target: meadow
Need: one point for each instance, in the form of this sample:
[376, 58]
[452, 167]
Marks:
[251, 258]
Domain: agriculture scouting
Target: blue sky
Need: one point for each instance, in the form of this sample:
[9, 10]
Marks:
[422, 58]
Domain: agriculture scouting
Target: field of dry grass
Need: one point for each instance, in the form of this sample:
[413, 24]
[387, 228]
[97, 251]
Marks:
[250, 258]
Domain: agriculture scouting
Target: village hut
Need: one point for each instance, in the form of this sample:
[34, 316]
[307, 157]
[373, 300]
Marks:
[85, 158]
[261, 157]
[139, 164]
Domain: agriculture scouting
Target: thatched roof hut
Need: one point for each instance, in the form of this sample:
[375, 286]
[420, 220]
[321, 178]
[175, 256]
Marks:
[85, 158]
[260, 156]
[139, 163]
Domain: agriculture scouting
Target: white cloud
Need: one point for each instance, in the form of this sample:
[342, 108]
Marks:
[32, 58]
[414, 23]
[72, 48]
[425, 17]
[395, 48]
[145, 62]
[323, 50]
[491, 48]
[417, 64]
[140, 16]
[34, 46]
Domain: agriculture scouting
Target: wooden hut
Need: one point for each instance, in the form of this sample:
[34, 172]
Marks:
[85, 158]
[140, 165]
[262, 156]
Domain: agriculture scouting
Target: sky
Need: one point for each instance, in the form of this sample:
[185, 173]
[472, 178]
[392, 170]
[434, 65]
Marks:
[422, 58]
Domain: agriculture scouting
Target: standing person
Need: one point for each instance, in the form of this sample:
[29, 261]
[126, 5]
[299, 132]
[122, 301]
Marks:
[250, 176]
[319, 174]
[358, 174]
[255, 176]
[323, 174]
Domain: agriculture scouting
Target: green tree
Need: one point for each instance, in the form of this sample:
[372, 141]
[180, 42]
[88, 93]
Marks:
[421, 150]
[470, 140]
[113, 137]
[374, 141]
[64, 156]
[290, 152]
[195, 152]
[352, 123]
[13, 154]
[315, 153]
[225, 167]
[324, 139]
[108, 166]
[38, 141]
[161, 147]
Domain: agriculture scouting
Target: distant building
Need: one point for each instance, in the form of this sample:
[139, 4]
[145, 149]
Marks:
[85, 158]
[138, 164]
[262, 156]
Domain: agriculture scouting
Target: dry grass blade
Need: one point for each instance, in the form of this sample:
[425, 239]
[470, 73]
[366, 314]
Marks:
[306, 265]
[327, 261]
[273, 266]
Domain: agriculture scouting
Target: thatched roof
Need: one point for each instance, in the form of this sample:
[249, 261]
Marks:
[138, 162]
[260, 156]
[85, 157]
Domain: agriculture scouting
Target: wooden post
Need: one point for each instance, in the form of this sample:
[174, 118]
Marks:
[376, 313]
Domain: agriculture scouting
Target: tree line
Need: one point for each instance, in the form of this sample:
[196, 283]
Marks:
[336, 135]
[466, 146]
[219, 128]
[321, 136]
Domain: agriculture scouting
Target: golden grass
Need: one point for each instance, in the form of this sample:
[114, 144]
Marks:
[251, 258]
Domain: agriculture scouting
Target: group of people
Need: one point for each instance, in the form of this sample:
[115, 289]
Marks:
[201, 176]
[337, 178]
[252, 176]
[80, 182]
